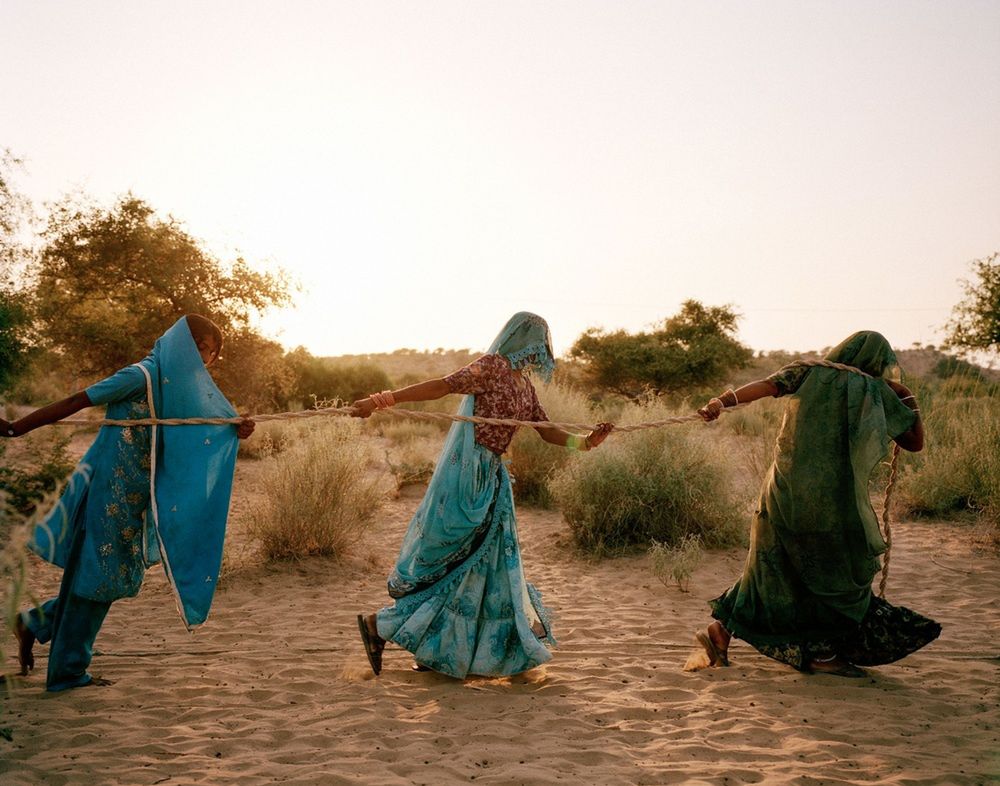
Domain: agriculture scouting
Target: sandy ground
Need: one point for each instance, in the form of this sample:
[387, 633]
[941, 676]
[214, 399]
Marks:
[276, 688]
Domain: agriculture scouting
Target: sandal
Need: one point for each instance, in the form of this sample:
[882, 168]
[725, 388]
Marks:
[374, 644]
[418, 666]
[716, 657]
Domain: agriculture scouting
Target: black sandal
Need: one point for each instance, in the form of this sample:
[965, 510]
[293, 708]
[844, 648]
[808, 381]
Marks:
[373, 645]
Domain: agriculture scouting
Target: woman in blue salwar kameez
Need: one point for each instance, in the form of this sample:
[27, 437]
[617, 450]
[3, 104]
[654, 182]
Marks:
[462, 605]
[140, 495]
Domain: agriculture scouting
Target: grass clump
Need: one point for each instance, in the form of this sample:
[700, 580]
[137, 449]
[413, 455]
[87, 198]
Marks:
[319, 493]
[272, 437]
[959, 469]
[662, 484]
[675, 564]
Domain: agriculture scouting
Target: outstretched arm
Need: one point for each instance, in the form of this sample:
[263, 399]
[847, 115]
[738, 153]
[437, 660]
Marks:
[752, 391]
[422, 391]
[912, 440]
[566, 439]
[51, 413]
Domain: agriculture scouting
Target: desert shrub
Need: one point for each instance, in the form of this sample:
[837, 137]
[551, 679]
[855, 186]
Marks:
[660, 484]
[414, 461]
[532, 460]
[16, 527]
[274, 436]
[959, 468]
[675, 564]
[754, 429]
[25, 486]
[320, 493]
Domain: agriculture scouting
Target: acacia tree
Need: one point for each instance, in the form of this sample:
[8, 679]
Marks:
[109, 282]
[975, 322]
[694, 348]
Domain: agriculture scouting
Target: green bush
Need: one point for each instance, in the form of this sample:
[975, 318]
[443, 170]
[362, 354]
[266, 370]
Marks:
[661, 484]
[25, 487]
[320, 493]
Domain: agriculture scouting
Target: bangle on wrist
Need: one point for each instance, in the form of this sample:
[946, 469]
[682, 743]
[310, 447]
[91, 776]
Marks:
[383, 400]
[721, 403]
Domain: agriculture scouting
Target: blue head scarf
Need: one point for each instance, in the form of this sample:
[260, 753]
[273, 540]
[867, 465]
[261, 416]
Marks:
[187, 470]
[193, 470]
[467, 478]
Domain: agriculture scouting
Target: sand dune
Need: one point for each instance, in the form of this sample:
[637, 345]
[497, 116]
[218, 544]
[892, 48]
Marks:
[276, 688]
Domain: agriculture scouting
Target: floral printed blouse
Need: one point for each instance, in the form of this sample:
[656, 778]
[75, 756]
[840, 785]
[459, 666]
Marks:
[498, 395]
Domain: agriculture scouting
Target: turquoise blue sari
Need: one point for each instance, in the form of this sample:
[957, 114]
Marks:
[143, 495]
[462, 603]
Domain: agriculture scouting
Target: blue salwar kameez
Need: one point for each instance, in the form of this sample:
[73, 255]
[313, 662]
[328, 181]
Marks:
[462, 605]
[140, 495]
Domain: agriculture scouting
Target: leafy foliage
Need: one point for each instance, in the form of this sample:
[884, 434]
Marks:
[109, 282]
[975, 322]
[695, 348]
[25, 486]
[15, 316]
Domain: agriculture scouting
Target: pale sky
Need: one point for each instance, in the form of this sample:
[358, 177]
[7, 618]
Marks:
[425, 169]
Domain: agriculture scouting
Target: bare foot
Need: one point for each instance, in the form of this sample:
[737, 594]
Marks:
[538, 629]
[720, 637]
[25, 642]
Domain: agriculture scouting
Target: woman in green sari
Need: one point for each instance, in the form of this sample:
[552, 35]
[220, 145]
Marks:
[805, 595]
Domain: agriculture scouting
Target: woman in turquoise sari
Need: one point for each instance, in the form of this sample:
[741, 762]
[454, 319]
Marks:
[462, 605]
[805, 596]
[140, 495]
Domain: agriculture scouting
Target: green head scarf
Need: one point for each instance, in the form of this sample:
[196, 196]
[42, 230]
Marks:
[868, 351]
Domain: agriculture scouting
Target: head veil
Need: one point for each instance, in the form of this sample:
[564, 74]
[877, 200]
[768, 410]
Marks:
[455, 512]
[192, 469]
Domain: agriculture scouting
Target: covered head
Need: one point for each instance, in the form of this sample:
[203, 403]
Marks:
[527, 344]
[868, 351]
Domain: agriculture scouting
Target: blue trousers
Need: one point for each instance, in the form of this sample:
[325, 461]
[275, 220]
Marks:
[71, 623]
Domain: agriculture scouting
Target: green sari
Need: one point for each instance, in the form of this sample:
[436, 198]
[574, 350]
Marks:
[815, 540]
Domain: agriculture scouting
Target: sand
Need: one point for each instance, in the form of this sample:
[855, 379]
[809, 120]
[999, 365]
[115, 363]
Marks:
[276, 688]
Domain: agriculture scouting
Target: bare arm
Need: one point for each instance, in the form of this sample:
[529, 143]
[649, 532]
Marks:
[912, 440]
[752, 391]
[566, 439]
[429, 390]
[50, 413]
